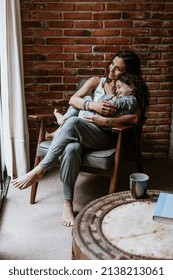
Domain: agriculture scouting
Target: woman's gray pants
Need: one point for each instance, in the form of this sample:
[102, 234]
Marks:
[74, 135]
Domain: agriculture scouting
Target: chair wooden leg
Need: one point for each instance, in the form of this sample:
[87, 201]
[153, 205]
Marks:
[35, 185]
[114, 177]
[33, 193]
[139, 161]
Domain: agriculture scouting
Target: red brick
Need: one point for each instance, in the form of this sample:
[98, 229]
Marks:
[62, 72]
[77, 16]
[62, 87]
[60, 7]
[106, 16]
[78, 64]
[163, 128]
[60, 56]
[166, 86]
[157, 135]
[161, 93]
[90, 41]
[118, 40]
[89, 24]
[90, 7]
[119, 24]
[60, 41]
[158, 108]
[150, 7]
[77, 33]
[148, 23]
[105, 32]
[48, 49]
[135, 32]
[167, 24]
[136, 15]
[78, 49]
[47, 16]
[158, 121]
[60, 24]
[90, 57]
[48, 66]
[48, 32]
[169, 6]
[161, 15]
[120, 7]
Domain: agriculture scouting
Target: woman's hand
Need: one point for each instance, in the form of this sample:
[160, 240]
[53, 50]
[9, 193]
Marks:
[102, 107]
[96, 119]
[116, 121]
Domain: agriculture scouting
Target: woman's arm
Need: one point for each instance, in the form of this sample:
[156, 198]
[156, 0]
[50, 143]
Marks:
[103, 107]
[77, 98]
[116, 121]
[127, 119]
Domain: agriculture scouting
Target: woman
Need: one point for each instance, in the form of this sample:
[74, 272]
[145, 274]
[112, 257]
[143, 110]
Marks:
[78, 133]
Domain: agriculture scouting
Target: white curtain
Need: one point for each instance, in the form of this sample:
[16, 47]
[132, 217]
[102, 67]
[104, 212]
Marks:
[170, 154]
[14, 130]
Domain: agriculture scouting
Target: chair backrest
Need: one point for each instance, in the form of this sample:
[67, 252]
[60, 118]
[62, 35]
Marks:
[81, 83]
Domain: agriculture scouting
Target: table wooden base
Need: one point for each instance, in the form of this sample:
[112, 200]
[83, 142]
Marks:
[117, 226]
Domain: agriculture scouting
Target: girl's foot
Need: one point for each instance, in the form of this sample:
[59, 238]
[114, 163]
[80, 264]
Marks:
[60, 118]
[30, 178]
[67, 214]
[49, 136]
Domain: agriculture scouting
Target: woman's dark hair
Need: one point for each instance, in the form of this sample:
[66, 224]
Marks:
[131, 60]
[140, 88]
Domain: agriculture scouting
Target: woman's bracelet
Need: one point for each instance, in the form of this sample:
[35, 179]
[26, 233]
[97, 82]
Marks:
[110, 122]
[85, 105]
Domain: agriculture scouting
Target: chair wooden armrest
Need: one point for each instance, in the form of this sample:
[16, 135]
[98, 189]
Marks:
[123, 128]
[40, 117]
[45, 120]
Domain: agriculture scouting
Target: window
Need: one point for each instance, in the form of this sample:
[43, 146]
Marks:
[4, 178]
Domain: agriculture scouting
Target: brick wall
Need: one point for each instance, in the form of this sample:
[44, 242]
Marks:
[64, 41]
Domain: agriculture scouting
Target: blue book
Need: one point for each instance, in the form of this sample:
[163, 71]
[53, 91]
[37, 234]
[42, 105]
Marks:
[163, 211]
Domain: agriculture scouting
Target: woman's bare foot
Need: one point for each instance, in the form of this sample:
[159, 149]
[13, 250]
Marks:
[59, 117]
[30, 178]
[67, 214]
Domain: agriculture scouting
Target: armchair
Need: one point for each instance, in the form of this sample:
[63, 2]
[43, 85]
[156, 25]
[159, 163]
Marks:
[94, 162]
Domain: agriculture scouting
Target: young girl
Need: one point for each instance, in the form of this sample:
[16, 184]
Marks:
[130, 89]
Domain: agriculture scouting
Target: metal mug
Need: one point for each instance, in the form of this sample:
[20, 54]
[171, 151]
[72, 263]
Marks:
[138, 184]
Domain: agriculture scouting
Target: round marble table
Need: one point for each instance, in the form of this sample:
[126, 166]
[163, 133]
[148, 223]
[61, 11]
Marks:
[117, 226]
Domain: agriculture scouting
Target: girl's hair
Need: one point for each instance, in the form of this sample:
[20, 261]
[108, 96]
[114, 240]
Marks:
[140, 89]
[131, 60]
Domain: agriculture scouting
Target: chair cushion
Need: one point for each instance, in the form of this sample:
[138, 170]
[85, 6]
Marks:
[103, 159]
[42, 148]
